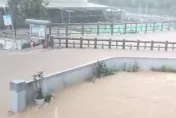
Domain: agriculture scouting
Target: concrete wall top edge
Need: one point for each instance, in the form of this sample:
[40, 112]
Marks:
[93, 62]
[71, 69]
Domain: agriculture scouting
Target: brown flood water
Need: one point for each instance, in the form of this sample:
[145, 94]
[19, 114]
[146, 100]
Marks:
[124, 95]
[23, 64]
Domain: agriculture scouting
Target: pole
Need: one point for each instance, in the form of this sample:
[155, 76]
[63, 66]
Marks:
[146, 8]
[62, 15]
[15, 22]
[68, 17]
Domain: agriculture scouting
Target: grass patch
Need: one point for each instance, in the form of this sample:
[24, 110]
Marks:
[164, 68]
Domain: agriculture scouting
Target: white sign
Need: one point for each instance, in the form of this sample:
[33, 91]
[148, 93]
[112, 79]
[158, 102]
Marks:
[37, 31]
[7, 20]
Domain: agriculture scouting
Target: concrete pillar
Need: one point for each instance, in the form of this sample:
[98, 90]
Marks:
[18, 100]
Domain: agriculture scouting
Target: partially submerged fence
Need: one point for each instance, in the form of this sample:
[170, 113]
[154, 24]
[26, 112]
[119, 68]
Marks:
[110, 28]
[66, 42]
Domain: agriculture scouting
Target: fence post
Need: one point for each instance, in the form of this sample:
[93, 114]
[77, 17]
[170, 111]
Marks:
[125, 28]
[145, 45]
[116, 44]
[102, 45]
[81, 42]
[95, 43]
[112, 28]
[152, 42]
[158, 47]
[82, 30]
[51, 41]
[168, 26]
[123, 44]
[138, 44]
[66, 42]
[98, 28]
[59, 42]
[146, 27]
[154, 27]
[88, 43]
[162, 26]
[173, 46]
[136, 28]
[130, 46]
[110, 43]
[174, 26]
[166, 45]
[66, 33]
[58, 32]
[50, 28]
[73, 44]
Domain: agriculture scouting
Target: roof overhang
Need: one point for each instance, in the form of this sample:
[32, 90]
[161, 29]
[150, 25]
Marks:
[37, 22]
[74, 5]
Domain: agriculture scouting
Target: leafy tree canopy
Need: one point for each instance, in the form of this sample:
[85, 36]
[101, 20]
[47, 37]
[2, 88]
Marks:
[28, 8]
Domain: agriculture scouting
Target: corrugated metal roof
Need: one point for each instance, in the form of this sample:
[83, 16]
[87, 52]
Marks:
[60, 4]
[73, 4]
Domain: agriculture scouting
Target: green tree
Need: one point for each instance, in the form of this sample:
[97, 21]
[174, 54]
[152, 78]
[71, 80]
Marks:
[29, 8]
[23, 9]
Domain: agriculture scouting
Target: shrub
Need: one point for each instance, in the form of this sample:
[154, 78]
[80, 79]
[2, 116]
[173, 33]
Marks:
[135, 67]
[48, 98]
[131, 68]
[102, 69]
[164, 68]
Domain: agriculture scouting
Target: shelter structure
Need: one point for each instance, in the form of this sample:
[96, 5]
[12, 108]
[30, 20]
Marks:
[61, 11]
[68, 11]
[75, 11]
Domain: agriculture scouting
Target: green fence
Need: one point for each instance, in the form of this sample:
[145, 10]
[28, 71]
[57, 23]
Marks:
[114, 28]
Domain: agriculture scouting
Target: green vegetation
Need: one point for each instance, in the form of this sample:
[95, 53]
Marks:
[28, 8]
[38, 84]
[130, 68]
[102, 70]
[164, 68]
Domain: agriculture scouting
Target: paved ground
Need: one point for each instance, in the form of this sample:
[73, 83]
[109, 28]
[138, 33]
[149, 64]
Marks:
[124, 95]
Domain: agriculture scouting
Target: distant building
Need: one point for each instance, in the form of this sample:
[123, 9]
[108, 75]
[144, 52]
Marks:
[75, 11]
[61, 11]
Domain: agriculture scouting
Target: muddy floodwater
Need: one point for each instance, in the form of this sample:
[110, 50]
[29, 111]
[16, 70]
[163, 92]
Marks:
[123, 95]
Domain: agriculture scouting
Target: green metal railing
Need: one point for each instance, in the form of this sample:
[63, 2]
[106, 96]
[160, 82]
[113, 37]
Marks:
[114, 28]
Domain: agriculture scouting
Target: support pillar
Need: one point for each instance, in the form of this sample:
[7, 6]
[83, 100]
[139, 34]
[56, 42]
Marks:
[18, 100]
[69, 13]
[62, 15]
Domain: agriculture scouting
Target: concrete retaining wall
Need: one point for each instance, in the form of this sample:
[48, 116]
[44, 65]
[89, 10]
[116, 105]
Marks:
[83, 72]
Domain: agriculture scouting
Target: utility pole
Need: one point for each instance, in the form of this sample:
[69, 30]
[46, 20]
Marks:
[14, 20]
